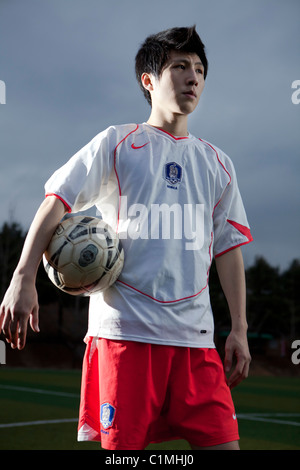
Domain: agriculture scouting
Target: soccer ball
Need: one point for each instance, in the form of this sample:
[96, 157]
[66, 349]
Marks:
[85, 256]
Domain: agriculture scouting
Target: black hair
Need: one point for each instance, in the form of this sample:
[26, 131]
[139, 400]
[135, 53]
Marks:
[154, 52]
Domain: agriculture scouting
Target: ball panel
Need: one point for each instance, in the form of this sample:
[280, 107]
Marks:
[61, 253]
[84, 256]
[72, 276]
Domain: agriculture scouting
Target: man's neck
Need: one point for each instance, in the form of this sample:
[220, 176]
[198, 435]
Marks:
[175, 125]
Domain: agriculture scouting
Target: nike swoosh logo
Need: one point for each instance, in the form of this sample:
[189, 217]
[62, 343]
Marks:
[136, 148]
[234, 416]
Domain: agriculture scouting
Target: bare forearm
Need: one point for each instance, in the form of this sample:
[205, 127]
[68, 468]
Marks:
[230, 267]
[20, 302]
[42, 228]
[231, 272]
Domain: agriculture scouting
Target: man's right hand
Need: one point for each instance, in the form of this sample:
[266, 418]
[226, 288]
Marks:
[19, 305]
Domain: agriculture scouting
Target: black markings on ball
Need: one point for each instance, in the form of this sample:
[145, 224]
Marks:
[55, 257]
[87, 255]
[80, 229]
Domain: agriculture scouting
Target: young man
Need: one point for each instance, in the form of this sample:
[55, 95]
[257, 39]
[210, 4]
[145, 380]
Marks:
[151, 371]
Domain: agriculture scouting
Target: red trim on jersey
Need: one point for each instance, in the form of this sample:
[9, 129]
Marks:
[115, 154]
[226, 171]
[171, 135]
[61, 199]
[232, 248]
[162, 301]
[222, 165]
[243, 230]
[212, 235]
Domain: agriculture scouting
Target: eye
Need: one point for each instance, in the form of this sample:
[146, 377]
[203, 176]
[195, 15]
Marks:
[180, 66]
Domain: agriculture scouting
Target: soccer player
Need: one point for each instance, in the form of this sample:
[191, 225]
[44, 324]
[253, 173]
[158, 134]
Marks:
[151, 371]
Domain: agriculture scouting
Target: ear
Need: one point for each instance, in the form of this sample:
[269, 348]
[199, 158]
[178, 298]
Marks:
[147, 81]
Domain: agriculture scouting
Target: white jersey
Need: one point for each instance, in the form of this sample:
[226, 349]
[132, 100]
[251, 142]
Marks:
[175, 203]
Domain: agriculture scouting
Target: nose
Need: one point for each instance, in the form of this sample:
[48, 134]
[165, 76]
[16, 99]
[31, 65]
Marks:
[192, 78]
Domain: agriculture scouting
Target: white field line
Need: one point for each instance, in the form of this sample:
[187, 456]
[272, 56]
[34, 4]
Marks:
[250, 417]
[38, 390]
[44, 392]
[34, 423]
[268, 417]
[263, 417]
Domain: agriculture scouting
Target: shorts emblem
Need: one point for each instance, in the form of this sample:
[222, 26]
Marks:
[107, 414]
[173, 172]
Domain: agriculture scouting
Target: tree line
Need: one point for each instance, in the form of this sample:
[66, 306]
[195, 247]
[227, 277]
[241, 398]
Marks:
[273, 297]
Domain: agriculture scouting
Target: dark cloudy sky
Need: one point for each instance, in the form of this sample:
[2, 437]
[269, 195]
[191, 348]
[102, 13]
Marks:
[68, 67]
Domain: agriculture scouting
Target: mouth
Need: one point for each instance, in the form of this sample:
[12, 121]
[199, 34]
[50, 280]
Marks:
[190, 94]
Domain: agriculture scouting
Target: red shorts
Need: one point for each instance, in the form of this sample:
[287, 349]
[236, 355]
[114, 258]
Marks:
[134, 394]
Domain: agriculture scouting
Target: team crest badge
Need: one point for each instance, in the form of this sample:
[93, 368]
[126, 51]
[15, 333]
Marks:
[107, 414]
[173, 172]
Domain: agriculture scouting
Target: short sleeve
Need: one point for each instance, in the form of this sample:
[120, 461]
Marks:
[231, 227]
[78, 182]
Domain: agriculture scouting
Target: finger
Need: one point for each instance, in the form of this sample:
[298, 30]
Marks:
[2, 315]
[34, 319]
[239, 374]
[14, 326]
[22, 333]
[228, 360]
[6, 327]
[234, 380]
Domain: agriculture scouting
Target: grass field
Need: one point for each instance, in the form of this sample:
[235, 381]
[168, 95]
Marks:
[39, 410]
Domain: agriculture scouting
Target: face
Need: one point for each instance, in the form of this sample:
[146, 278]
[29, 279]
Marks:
[179, 87]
